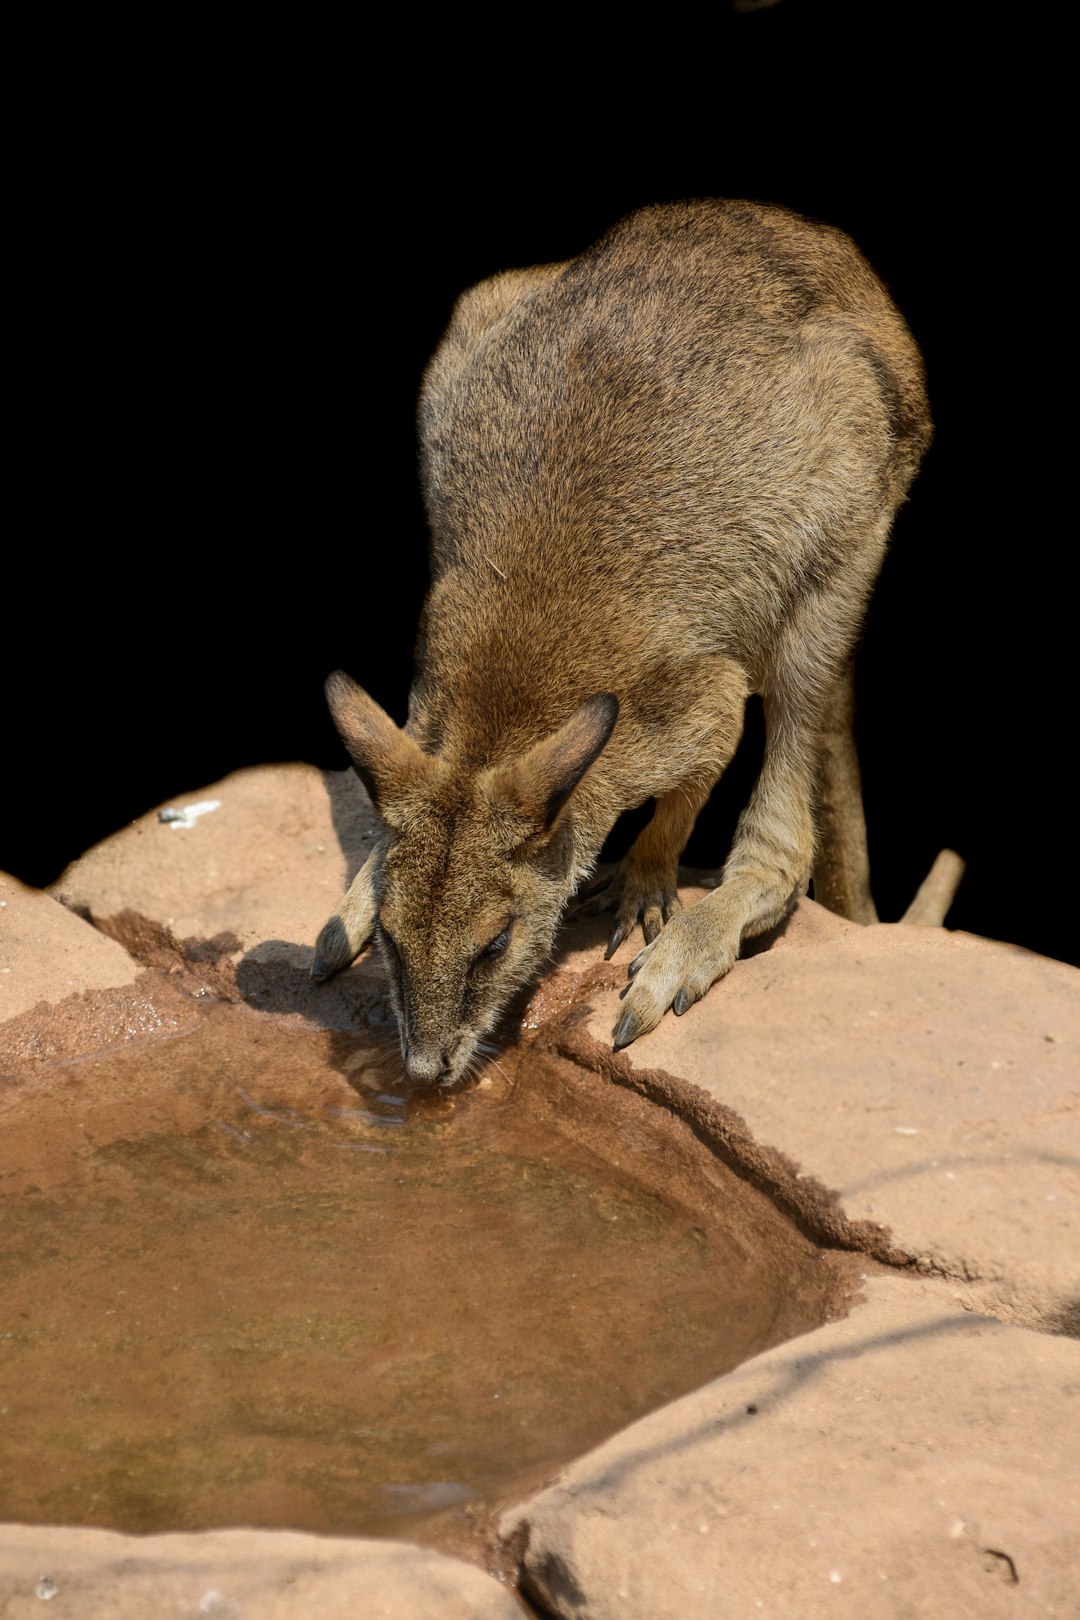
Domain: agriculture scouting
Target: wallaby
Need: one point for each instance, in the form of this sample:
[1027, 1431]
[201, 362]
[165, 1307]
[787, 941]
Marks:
[658, 477]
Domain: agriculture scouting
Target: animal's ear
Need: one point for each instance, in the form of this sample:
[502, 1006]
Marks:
[389, 763]
[540, 782]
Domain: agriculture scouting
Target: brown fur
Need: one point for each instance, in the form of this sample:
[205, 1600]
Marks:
[658, 478]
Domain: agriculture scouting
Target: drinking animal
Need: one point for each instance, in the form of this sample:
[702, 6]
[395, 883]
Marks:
[658, 478]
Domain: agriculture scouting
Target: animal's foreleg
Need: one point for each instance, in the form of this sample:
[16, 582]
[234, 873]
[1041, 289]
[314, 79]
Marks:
[345, 934]
[768, 866]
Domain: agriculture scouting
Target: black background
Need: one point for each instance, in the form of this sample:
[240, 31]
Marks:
[237, 255]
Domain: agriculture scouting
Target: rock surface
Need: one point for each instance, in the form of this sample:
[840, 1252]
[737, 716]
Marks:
[48, 953]
[929, 1078]
[236, 1575]
[910, 1460]
[908, 1093]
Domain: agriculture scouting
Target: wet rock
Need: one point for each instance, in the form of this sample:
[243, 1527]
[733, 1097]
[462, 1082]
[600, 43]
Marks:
[236, 1574]
[66, 989]
[48, 952]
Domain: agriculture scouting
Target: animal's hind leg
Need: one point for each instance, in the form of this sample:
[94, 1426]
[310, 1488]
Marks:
[345, 934]
[842, 861]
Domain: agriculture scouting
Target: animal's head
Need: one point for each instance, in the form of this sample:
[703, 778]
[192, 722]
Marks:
[475, 870]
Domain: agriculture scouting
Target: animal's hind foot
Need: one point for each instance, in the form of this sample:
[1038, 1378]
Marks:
[637, 891]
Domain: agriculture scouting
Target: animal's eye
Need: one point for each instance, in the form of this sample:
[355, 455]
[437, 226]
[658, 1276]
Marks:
[491, 950]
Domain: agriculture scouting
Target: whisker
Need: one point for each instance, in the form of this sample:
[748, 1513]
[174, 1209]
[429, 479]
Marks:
[512, 1084]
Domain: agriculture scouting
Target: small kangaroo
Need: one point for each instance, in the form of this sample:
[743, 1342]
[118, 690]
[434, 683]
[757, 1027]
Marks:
[659, 477]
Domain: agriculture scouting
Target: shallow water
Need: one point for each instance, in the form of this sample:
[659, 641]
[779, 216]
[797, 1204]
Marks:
[248, 1278]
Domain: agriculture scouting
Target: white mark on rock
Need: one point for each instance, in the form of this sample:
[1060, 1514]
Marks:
[189, 814]
[46, 1588]
[212, 1602]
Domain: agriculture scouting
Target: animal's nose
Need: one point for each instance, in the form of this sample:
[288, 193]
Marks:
[429, 1067]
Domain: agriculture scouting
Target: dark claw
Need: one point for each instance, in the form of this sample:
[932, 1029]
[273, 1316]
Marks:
[636, 965]
[333, 951]
[651, 929]
[618, 934]
[682, 1000]
[626, 1029]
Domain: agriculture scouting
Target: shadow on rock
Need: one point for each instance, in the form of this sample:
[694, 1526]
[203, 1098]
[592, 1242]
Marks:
[275, 976]
[356, 824]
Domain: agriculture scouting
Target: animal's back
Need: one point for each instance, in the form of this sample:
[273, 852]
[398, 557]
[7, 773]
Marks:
[662, 445]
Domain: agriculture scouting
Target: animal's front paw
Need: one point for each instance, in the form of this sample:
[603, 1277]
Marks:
[675, 970]
[333, 950]
[637, 892]
[349, 930]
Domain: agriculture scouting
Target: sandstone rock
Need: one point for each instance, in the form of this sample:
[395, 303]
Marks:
[931, 1079]
[270, 862]
[47, 952]
[236, 1575]
[911, 1460]
[916, 1093]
